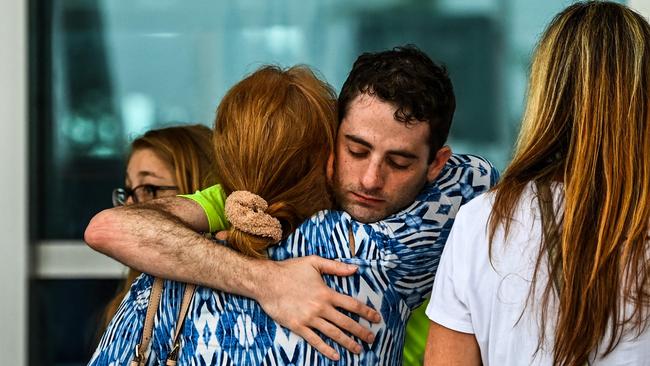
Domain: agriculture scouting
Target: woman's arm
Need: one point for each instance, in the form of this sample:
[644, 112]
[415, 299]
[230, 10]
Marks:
[450, 348]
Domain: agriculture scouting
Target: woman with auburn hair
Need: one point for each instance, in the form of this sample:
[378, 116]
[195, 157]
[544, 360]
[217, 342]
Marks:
[163, 162]
[552, 267]
[273, 135]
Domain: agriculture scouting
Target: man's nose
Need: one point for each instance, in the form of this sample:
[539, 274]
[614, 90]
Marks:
[372, 178]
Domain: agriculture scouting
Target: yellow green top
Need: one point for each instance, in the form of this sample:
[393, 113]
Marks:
[213, 201]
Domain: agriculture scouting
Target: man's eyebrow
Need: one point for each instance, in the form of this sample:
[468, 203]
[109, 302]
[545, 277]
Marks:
[359, 140]
[402, 153]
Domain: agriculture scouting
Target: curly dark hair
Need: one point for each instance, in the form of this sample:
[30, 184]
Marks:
[407, 78]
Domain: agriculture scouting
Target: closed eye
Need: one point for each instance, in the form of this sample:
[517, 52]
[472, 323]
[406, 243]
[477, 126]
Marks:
[358, 153]
[398, 166]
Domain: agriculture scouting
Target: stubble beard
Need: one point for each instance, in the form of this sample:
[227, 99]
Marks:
[358, 211]
[365, 214]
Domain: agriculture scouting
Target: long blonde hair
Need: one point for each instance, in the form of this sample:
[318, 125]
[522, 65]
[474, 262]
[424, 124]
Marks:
[586, 125]
[274, 132]
[187, 151]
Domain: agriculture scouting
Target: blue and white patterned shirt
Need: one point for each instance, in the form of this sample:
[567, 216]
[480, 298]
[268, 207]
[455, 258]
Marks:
[397, 259]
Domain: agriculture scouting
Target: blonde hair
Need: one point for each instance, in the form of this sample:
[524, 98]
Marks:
[586, 124]
[187, 151]
[274, 132]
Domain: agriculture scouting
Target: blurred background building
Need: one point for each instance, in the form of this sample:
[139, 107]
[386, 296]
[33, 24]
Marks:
[81, 78]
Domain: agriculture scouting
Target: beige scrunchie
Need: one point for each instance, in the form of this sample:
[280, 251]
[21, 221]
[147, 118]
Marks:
[246, 211]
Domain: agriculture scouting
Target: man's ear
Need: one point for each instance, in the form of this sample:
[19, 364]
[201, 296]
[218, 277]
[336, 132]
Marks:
[442, 155]
[329, 170]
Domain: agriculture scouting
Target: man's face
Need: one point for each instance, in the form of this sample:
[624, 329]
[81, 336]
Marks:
[381, 164]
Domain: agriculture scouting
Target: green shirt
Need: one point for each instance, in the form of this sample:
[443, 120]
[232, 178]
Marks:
[415, 336]
[213, 201]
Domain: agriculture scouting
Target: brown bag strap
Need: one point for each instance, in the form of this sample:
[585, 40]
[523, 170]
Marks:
[147, 331]
[154, 300]
[182, 314]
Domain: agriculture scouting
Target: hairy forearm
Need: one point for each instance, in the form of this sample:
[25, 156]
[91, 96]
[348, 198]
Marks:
[161, 239]
[151, 239]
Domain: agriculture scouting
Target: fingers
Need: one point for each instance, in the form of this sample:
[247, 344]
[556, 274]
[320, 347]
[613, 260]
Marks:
[345, 323]
[315, 341]
[336, 335]
[318, 309]
[355, 306]
[336, 268]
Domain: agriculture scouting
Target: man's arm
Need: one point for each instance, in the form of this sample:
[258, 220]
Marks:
[160, 238]
[446, 347]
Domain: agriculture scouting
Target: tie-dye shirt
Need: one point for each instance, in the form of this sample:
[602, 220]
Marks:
[397, 259]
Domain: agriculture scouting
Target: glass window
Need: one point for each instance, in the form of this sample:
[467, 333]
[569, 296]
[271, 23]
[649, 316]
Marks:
[103, 72]
[108, 71]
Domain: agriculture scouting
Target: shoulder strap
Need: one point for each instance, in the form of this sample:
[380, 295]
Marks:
[182, 314]
[147, 331]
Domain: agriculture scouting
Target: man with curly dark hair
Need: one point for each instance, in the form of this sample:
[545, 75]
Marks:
[400, 89]
[386, 93]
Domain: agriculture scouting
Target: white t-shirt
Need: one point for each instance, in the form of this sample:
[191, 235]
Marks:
[487, 299]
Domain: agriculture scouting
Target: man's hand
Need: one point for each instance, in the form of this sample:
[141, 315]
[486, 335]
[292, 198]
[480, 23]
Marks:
[295, 296]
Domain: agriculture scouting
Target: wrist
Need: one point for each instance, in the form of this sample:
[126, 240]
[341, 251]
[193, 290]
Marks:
[255, 282]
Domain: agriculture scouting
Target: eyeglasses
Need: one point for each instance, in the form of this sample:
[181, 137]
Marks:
[141, 193]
